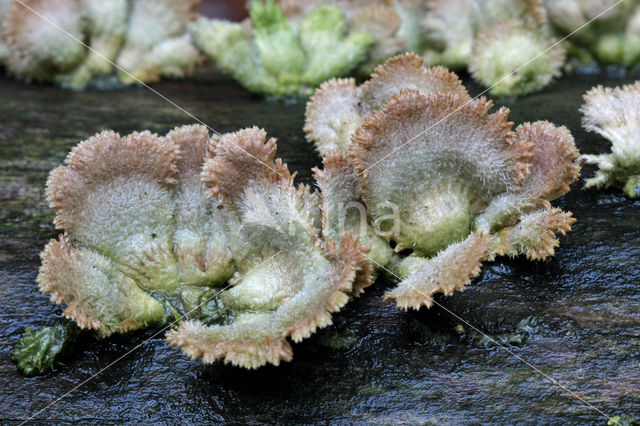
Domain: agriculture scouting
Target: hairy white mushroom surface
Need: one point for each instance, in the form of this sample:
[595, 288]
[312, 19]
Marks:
[76, 43]
[512, 59]
[614, 113]
[138, 228]
[338, 107]
[288, 280]
[40, 48]
[462, 187]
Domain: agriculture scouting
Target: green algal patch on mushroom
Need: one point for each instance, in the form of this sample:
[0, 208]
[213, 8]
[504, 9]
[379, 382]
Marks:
[274, 59]
[614, 113]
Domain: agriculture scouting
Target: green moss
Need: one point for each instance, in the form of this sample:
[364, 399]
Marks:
[40, 350]
[433, 337]
[623, 421]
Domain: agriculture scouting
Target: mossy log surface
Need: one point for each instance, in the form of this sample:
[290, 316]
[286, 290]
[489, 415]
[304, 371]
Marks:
[575, 317]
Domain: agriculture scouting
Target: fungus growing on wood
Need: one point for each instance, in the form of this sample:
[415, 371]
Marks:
[229, 247]
[462, 187]
[338, 107]
[75, 43]
[614, 113]
[288, 280]
[275, 59]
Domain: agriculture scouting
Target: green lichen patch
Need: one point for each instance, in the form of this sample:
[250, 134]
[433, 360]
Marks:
[38, 351]
[623, 421]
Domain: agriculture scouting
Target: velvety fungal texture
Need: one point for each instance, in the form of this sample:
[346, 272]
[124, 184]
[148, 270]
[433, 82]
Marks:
[394, 25]
[207, 232]
[504, 43]
[614, 113]
[289, 280]
[275, 58]
[444, 179]
[514, 59]
[145, 39]
[338, 107]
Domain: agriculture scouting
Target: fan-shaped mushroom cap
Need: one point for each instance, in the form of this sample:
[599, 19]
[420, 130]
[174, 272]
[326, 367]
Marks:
[138, 227]
[338, 107]
[75, 42]
[450, 270]
[513, 59]
[569, 15]
[151, 22]
[343, 211]
[553, 169]
[288, 280]
[381, 21]
[437, 159]
[451, 26]
[615, 114]
[114, 196]
[534, 235]
[98, 295]
[407, 71]
[553, 166]
[42, 36]
[279, 58]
